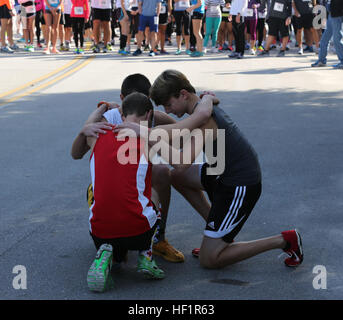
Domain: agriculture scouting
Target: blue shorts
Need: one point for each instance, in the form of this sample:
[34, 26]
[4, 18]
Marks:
[151, 22]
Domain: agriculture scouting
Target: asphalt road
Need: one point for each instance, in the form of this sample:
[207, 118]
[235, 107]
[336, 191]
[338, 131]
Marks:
[291, 113]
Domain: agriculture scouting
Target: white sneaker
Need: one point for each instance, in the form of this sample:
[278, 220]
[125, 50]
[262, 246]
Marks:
[6, 49]
[214, 50]
[204, 50]
[301, 51]
[252, 52]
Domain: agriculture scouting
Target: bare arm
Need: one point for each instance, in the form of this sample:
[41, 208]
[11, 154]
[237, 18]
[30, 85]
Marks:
[169, 132]
[94, 125]
[197, 119]
[161, 118]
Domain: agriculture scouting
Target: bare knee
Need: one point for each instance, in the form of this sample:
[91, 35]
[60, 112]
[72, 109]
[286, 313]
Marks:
[177, 177]
[161, 176]
[208, 260]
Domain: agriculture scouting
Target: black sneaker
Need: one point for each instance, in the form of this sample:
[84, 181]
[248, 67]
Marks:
[96, 49]
[281, 53]
[233, 55]
[137, 52]
[264, 53]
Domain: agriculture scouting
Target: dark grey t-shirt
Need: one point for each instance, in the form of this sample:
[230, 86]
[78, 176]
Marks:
[242, 167]
[304, 6]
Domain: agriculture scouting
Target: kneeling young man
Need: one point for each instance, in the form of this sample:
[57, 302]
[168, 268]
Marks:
[233, 193]
[122, 215]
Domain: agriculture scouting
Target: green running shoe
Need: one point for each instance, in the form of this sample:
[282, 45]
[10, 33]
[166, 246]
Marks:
[98, 277]
[149, 268]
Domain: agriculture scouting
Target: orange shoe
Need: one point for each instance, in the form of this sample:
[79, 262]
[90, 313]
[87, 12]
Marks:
[167, 251]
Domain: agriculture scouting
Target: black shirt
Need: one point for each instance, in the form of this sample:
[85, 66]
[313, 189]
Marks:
[242, 167]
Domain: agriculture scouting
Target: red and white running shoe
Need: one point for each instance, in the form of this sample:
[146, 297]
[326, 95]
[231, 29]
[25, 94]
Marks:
[294, 248]
[196, 252]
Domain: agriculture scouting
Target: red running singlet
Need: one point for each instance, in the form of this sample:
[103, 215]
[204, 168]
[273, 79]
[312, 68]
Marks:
[122, 204]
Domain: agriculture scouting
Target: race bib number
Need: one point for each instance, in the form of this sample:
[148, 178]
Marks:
[30, 9]
[278, 6]
[163, 10]
[134, 3]
[54, 2]
[262, 15]
[78, 10]
[156, 20]
[104, 4]
[226, 9]
[184, 4]
[249, 12]
[213, 9]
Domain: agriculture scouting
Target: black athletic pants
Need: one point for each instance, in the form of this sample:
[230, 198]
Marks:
[238, 32]
[78, 25]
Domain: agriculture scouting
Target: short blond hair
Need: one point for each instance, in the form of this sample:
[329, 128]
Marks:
[169, 84]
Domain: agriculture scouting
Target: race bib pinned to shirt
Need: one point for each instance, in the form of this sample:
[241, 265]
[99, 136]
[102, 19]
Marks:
[30, 9]
[54, 2]
[104, 4]
[278, 6]
[78, 11]
[163, 10]
[249, 12]
[262, 15]
[214, 9]
[184, 4]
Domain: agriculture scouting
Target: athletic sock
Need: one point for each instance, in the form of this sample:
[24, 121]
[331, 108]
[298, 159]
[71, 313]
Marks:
[123, 40]
[146, 253]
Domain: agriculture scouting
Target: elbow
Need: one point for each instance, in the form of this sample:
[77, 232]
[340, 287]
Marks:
[75, 155]
[181, 167]
[205, 116]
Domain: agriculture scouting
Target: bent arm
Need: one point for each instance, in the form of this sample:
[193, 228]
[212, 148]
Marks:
[161, 118]
[197, 119]
[178, 159]
[90, 128]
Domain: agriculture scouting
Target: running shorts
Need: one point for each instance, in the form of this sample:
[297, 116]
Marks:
[277, 25]
[230, 206]
[101, 14]
[4, 12]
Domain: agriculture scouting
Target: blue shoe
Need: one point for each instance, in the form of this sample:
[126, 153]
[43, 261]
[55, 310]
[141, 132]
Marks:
[189, 52]
[308, 49]
[318, 63]
[338, 66]
[123, 52]
[137, 52]
[178, 52]
[197, 54]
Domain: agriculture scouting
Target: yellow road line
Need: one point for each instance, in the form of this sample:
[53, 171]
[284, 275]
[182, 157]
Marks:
[44, 85]
[41, 78]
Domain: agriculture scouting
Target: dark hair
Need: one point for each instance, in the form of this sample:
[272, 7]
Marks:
[135, 82]
[136, 103]
[169, 84]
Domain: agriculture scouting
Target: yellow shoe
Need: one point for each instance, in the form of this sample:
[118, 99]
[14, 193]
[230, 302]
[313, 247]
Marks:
[90, 196]
[168, 252]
